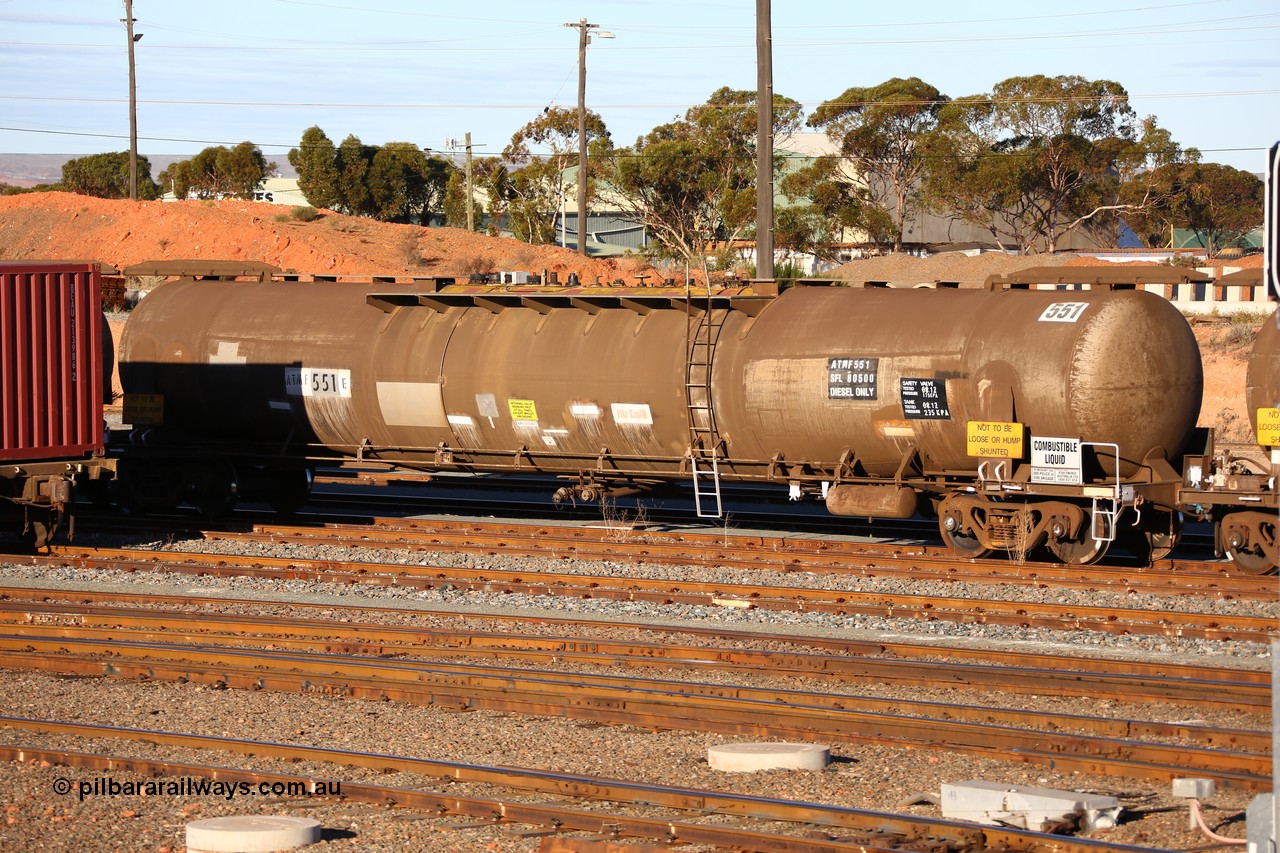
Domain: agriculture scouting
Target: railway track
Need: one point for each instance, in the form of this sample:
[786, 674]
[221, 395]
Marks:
[835, 555]
[683, 815]
[843, 556]
[365, 661]
[703, 681]
[849, 660]
[588, 584]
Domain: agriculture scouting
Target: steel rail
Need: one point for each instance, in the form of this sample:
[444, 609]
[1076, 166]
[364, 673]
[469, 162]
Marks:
[623, 701]
[318, 637]
[668, 591]
[1238, 686]
[787, 553]
[895, 832]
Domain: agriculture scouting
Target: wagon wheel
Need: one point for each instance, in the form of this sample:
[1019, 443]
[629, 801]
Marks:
[39, 532]
[1155, 541]
[291, 490]
[1251, 561]
[144, 487]
[213, 489]
[1258, 556]
[1084, 550]
[1162, 542]
[964, 545]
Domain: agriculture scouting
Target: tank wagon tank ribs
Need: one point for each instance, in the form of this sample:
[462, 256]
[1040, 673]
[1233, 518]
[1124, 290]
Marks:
[1021, 418]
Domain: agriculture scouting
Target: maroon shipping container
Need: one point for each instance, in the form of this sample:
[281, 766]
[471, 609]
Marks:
[51, 360]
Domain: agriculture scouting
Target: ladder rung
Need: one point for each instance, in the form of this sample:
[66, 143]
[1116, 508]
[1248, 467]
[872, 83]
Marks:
[713, 489]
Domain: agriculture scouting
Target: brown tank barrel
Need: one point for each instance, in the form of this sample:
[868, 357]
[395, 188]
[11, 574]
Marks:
[1262, 382]
[817, 373]
[881, 370]
[346, 365]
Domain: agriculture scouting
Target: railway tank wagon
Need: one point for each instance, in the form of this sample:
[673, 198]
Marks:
[1237, 492]
[55, 363]
[884, 402]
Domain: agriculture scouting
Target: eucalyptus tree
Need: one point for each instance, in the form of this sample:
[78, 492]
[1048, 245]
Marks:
[826, 204]
[1218, 204]
[692, 181]
[107, 176]
[219, 172]
[316, 162]
[405, 185]
[1034, 160]
[878, 130]
[538, 156]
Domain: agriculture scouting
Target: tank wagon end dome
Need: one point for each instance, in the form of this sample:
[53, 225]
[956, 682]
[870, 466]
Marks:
[1136, 376]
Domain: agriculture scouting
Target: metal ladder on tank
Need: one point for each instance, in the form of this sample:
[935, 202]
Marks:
[704, 441]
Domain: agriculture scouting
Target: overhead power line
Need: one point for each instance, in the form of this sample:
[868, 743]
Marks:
[610, 155]
[1196, 28]
[532, 107]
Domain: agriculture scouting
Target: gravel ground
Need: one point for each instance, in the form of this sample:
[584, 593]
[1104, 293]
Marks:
[869, 777]
[873, 777]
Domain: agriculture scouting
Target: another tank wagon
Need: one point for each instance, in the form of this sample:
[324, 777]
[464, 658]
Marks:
[55, 364]
[1017, 417]
[1237, 492]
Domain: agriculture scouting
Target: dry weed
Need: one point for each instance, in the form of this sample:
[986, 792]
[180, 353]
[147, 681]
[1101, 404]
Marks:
[472, 264]
[1229, 426]
[620, 524]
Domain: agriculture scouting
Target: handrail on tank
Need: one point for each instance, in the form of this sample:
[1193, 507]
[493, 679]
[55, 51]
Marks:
[1115, 452]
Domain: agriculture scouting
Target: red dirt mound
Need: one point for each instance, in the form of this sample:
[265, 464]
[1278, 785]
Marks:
[65, 226]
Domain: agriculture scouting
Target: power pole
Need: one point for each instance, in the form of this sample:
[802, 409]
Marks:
[584, 39]
[133, 103]
[582, 27]
[764, 141]
[471, 212]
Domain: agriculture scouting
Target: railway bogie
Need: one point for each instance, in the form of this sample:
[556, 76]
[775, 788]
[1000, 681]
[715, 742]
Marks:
[211, 480]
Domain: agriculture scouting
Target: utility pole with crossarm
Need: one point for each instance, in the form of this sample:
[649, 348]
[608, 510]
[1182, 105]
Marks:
[584, 39]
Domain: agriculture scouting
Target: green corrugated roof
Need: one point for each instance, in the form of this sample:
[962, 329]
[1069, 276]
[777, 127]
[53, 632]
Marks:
[1184, 238]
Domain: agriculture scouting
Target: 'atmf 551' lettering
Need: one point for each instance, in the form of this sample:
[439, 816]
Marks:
[317, 382]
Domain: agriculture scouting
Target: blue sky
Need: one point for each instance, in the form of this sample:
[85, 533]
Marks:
[406, 70]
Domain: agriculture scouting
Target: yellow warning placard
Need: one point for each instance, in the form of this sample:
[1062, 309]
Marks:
[522, 410]
[995, 439]
[1269, 427]
[143, 409]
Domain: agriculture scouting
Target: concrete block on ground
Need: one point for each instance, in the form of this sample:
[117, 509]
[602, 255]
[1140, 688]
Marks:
[1259, 823]
[251, 833]
[746, 757]
[1025, 807]
[1199, 789]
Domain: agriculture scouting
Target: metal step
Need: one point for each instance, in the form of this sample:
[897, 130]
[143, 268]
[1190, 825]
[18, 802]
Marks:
[713, 491]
